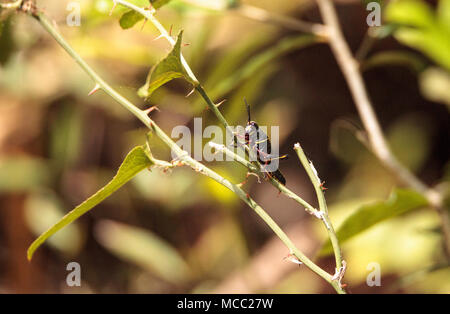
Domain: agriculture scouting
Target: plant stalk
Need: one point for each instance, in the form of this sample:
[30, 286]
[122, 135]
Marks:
[183, 155]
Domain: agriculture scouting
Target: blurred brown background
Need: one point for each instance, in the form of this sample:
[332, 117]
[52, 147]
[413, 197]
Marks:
[181, 232]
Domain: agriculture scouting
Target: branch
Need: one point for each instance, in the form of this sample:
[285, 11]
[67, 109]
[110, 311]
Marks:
[264, 16]
[182, 155]
[149, 15]
[378, 144]
[323, 214]
[256, 168]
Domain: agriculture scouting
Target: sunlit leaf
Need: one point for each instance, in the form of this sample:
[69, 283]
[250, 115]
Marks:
[399, 202]
[166, 70]
[421, 28]
[134, 162]
[43, 208]
[443, 13]
[7, 45]
[410, 12]
[413, 61]
[435, 85]
[144, 249]
[159, 3]
[130, 18]
[434, 43]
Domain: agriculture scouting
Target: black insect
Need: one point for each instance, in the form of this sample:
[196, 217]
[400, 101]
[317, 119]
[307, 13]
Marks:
[259, 144]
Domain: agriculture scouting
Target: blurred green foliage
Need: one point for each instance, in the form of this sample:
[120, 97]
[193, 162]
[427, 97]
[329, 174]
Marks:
[136, 160]
[179, 231]
[421, 28]
[399, 202]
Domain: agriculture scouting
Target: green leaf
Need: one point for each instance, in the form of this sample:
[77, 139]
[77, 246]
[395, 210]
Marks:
[399, 202]
[419, 27]
[130, 18]
[143, 248]
[435, 85]
[443, 13]
[435, 43]
[42, 208]
[412, 60]
[233, 3]
[136, 160]
[166, 70]
[159, 3]
[7, 43]
[410, 12]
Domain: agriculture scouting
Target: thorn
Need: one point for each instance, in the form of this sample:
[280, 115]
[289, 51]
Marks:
[248, 195]
[54, 24]
[113, 7]
[158, 37]
[279, 193]
[246, 179]
[253, 174]
[339, 274]
[150, 8]
[322, 186]
[190, 93]
[143, 24]
[152, 108]
[94, 90]
[170, 30]
[293, 259]
[221, 102]
[242, 184]
[185, 44]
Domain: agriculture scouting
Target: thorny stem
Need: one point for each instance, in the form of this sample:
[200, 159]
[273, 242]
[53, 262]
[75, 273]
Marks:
[318, 187]
[322, 214]
[378, 144]
[258, 170]
[148, 14]
[183, 155]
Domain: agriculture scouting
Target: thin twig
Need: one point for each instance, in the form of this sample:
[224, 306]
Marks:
[199, 88]
[264, 16]
[318, 187]
[143, 117]
[310, 209]
[366, 45]
[258, 170]
[349, 67]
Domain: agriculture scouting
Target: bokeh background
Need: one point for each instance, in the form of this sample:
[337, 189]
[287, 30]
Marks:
[179, 232]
